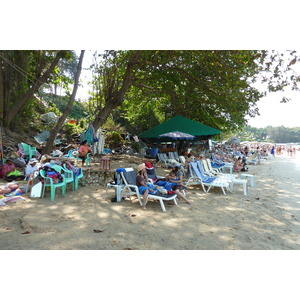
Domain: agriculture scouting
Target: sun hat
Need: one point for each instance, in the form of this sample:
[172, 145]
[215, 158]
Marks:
[141, 167]
[33, 160]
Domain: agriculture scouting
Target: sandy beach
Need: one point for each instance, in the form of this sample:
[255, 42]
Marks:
[266, 219]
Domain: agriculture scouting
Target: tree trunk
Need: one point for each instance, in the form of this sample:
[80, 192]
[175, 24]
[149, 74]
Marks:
[1, 96]
[13, 111]
[67, 111]
[118, 96]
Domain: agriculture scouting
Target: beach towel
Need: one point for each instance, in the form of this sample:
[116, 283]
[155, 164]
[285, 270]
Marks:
[10, 199]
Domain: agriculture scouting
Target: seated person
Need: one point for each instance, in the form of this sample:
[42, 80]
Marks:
[190, 157]
[178, 181]
[83, 151]
[9, 172]
[238, 165]
[145, 188]
[31, 167]
[171, 184]
[226, 158]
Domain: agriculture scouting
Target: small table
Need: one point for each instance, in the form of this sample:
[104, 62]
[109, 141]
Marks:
[230, 167]
[240, 181]
[118, 188]
[248, 176]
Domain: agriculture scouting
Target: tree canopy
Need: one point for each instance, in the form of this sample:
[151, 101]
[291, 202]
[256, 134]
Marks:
[215, 88]
[142, 88]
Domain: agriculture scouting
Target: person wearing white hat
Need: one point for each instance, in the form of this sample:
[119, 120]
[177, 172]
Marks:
[142, 183]
[31, 167]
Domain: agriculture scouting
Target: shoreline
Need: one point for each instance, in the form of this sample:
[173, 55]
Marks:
[266, 219]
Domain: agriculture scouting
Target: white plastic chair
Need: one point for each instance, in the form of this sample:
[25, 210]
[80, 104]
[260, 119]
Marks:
[198, 176]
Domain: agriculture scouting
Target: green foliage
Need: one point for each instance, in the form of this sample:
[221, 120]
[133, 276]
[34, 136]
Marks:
[113, 139]
[212, 87]
[21, 71]
[113, 131]
[279, 134]
[82, 123]
[110, 125]
[71, 129]
[135, 146]
[60, 103]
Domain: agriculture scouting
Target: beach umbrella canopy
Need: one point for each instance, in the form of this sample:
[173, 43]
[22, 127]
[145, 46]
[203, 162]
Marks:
[177, 135]
[181, 124]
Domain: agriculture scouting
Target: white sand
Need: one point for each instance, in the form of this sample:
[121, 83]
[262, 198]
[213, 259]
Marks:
[268, 218]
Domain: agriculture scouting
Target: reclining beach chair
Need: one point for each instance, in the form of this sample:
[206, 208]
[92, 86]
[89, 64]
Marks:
[218, 162]
[163, 159]
[231, 178]
[213, 165]
[209, 181]
[151, 173]
[174, 155]
[130, 188]
[210, 171]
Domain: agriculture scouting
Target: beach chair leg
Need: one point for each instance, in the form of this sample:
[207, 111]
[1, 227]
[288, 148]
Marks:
[245, 189]
[43, 191]
[223, 190]
[206, 191]
[161, 201]
[175, 202]
[52, 193]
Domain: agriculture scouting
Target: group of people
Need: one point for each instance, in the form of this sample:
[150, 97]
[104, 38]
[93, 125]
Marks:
[173, 183]
[10, 172]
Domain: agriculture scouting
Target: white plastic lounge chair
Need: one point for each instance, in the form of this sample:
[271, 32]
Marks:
[198, 175]
[225, 164]
[130, 187]
[216, 160]
[163, 159]
[209, 170]
[214, 166]
[151, 173]
[182, 159]
[174, 155]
